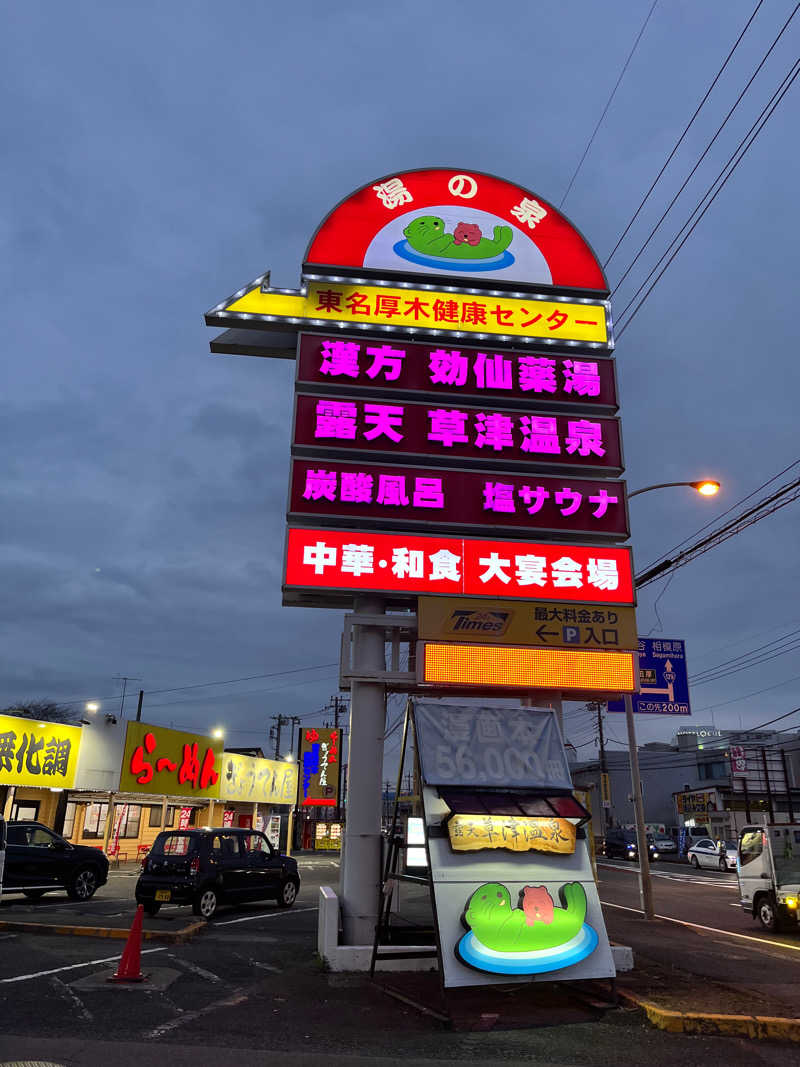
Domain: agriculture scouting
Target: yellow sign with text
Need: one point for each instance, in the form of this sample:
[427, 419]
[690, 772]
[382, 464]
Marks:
[534, 623]
[170, 762]
[34, 753]
[249, 779]
[472, 833]
[420, 310]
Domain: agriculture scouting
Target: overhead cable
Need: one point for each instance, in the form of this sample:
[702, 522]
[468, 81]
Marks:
[686, 129]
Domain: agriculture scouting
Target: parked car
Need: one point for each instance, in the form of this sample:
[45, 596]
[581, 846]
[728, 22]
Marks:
[206, 868]
[665, 846]
[38, 861]
[623, 843]
[708, 853]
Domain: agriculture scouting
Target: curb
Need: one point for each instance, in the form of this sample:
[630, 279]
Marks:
[171, 937]
[758, 1027]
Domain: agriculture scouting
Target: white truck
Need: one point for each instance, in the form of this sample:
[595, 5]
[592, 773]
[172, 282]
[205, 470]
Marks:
[768, 868]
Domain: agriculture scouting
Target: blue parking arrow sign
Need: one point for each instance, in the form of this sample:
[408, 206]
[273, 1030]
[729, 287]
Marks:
[663, 682]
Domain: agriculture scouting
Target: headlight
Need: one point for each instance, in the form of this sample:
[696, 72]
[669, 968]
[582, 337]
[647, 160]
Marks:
[655, 855]
[791, 902]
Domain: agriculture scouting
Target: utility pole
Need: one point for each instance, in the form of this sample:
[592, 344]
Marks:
[603, 767]
[645, 882]
[275, 732]
[124, 679]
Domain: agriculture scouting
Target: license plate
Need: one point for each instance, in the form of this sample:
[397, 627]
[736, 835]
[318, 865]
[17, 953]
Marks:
[163, 894]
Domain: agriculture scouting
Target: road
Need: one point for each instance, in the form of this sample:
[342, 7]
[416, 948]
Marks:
[725, 943]
[250, 986]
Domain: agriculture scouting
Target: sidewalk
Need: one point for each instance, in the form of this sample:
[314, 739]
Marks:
[686, 970]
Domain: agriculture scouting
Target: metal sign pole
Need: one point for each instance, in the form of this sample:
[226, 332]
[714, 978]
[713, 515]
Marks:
[645, 883]
[361, 863]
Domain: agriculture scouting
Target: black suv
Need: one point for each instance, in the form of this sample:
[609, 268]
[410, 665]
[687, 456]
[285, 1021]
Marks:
[623, 843]
[38, 861]
[205, 868]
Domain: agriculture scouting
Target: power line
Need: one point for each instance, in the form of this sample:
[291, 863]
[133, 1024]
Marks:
[722, 515]
[707, 149]
[745, 696]
[786, 494]
[608, 104]
[686, 129]
[761, 122]
[735, 661]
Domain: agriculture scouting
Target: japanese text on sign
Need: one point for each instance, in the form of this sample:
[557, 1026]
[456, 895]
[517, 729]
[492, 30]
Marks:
[453, 497]
[158, 760]
[38, 754]
[410, 309]
[416, 564]
[473, 833]
[262, 781]
[466, 371]
[422, 429]
[319, 767]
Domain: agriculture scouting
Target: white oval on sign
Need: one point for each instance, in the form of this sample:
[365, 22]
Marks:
[462, 185]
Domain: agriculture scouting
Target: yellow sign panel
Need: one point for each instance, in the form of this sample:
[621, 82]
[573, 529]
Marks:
[170, 762]
[422, 309]
[471, 833]
[515, 622]
[577, 670]
[260, 781]
[34, 753]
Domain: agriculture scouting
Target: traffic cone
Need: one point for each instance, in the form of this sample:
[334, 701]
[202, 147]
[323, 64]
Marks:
[130, 969]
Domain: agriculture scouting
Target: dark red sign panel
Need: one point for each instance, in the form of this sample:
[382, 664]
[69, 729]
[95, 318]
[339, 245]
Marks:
[360, 364]
[355, 561]
[510, 438]
[392, 496]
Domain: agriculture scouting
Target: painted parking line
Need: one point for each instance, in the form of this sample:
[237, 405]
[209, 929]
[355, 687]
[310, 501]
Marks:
[692, 879]
[72, 967]
[709, 929]
[266, 915]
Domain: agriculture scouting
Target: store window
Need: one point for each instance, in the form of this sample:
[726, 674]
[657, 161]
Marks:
[94, 824]
[154, 818]
[69, 819]
[170, 816]
[712, 771]
[25, 811]
[129, 820]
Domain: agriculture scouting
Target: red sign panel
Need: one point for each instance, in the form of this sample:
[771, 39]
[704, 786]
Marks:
[462, 224]
[460, 373]
[423, 430]
[435, 496]
[355, 561]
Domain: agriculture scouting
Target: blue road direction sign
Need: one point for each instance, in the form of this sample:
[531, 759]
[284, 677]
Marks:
[664, 685]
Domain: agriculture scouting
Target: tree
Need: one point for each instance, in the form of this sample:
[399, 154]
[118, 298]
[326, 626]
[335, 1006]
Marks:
[44, 710]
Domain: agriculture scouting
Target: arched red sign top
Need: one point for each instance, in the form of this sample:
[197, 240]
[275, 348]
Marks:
[465, 225]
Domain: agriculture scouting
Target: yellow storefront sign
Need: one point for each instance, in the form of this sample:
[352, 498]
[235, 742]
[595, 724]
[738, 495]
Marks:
[34, 753]
[472, 833]
[170, 762]
[260, 781]
[420, 309]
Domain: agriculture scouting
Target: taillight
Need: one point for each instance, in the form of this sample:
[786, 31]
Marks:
[144, 864]
[194, 866]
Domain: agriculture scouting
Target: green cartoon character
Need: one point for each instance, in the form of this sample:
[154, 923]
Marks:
[427, 235]
[537, 925]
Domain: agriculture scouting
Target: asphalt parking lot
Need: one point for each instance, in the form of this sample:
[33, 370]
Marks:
[249, 985]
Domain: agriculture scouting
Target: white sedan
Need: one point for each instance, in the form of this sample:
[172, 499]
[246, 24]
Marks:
[708, 853]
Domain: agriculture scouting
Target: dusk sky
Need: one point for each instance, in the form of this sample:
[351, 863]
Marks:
[158, 157]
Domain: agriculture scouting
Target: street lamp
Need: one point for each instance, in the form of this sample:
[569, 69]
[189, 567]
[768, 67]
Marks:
[706, 487]
[92, 705]
[218, 733]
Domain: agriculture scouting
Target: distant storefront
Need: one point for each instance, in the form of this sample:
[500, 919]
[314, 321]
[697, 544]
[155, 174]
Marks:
[153, 778]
